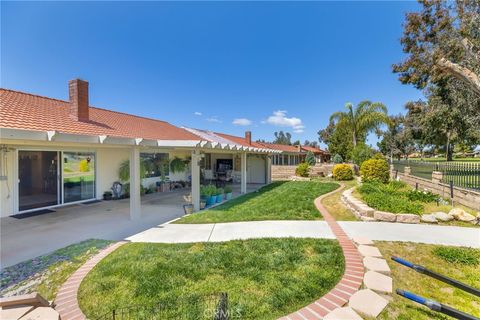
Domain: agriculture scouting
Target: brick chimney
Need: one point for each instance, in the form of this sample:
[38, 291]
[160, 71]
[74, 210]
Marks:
[78, 93]
[248, 137]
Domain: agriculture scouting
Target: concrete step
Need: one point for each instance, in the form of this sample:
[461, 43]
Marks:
[376, 264]
[367, 302]
[345, 313]
[362, 241]
[378, 282]
[369, 251]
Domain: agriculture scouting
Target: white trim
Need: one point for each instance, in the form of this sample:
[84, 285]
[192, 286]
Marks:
[138, 141]
[178, 143]
[101, 139]
[50, 135]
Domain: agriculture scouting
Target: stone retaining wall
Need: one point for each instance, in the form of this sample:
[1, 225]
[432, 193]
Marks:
[285, 172]
[365, 213]
[468, 198]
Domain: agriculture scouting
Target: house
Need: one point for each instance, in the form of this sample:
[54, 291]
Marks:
[293, 155]
[56, 153]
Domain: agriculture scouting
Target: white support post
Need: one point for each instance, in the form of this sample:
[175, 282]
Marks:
[135, 205]
[269, 169]
[243, 179]
[196, 157]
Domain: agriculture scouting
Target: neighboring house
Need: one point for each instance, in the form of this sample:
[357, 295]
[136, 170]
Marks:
[55, 152]
[293, 155]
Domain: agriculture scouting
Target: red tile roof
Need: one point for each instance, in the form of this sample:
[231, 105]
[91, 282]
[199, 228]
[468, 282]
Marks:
[314, 149]
[242, 141]
[283, 147]
[19, 110]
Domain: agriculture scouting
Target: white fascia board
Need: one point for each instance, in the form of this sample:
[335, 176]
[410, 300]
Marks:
[138, 141]
[67, 137]
[225, 146]
[178, 143]
[21, 134]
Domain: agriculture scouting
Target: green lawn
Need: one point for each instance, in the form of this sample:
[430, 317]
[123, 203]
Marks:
[333, 203]
[405, 278]
[264, 278]
[47, 273]
[291, 200]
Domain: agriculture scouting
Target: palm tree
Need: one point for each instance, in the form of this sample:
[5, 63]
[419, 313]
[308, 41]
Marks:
[365, 117]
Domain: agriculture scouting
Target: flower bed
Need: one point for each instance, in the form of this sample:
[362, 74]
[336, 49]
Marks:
[396, 202]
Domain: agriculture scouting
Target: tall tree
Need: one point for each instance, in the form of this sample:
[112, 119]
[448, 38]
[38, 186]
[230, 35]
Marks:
[442, 40]
[362, 119]
[338, 140]
[396, 139]
[283, 138]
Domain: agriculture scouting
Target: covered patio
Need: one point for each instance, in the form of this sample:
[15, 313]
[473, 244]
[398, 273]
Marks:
[24, 239]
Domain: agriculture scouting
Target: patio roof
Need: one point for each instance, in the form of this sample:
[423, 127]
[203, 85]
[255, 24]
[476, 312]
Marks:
[228, 142]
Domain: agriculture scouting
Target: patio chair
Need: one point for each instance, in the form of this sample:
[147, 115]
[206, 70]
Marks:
[208, 175]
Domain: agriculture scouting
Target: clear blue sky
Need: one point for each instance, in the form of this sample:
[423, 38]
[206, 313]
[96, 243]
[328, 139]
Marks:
[206, 64]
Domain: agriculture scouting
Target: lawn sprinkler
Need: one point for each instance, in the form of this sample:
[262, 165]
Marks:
[432, 304]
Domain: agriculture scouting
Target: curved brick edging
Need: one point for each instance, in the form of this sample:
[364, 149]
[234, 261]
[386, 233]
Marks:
[66, 302]
[352, 278]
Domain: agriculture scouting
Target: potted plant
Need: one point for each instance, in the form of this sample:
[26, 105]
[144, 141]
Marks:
[219, 195]
[210, 194]
[228, 192]
[107, 195]
[203, 197]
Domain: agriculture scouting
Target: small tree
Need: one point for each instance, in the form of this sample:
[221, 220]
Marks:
[337, 158]
[310, 158]
[361, 153]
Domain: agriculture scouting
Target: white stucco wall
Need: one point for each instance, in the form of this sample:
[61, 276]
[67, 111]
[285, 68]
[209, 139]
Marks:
[108, 162]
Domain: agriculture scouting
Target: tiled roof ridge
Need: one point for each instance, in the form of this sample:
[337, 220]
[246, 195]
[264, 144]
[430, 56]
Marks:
[90, 106]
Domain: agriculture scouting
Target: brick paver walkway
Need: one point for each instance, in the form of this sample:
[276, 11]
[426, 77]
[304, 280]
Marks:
[351, 280]
[66, 301]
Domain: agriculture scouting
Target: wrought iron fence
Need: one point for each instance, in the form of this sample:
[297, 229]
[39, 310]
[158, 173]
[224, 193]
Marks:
[461, 174]
[193, 307]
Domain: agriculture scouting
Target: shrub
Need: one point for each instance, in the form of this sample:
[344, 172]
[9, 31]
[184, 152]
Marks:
[392, 203]
[342, 172]
[465, 256]
[228, 189]
[310, 158]
[302, 170]
[375, 170]
[378, 156]
[337, 158]
[389, 197]
[219, 191]
[422, 196]
[361, 153]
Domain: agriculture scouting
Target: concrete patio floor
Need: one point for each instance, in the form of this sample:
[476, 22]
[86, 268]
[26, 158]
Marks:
[23, 239]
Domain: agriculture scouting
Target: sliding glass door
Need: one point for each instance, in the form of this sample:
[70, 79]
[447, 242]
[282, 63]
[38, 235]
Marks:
[78, 176]
[49, 178]
[37, 179]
